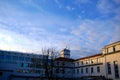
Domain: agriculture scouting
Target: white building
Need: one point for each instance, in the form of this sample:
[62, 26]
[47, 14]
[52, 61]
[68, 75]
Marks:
[105, 64]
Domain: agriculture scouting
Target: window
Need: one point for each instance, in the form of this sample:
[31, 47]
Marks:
[15, 58]
[98, 69]
[92, 61]
[77, 71]
[98, 60]
[74, 71]
[73, 64]
[63, 64]
[116, 71]
[21, 58]
[32, 65]
[20, 64]
[1, 73]
[26, 65]
[107, 50]
[108, 68]
[92, 70]
[8, 57]
[77, 63]
[63, 71]
[81, 62]
[27, 59]
[38, 66]
[1, 57]
[86, 70]
[81, 70]
[57, 70]
[86, 61]
[58, 63]
[113, 48]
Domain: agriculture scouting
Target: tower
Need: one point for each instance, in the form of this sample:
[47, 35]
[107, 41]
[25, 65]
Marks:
[65, 53]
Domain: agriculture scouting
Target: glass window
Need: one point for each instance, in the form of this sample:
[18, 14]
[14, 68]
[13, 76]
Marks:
[107, 50]
[114, 49]
[8, 57]
[86, 70]
[15, 57]
[98, 69]
[116, 71]
[58, 63]
[81, 62]
[108, 68]
[92, 61]
[38, 65]
[21, 58]
[92, 70]
[77, 71]
[77, 63]
[86, 61]
[74, 71]
[1, 57]
[81, 70]
[63, 71]
[98, 60]
[26, 65]
[20, 64]
[27, 59]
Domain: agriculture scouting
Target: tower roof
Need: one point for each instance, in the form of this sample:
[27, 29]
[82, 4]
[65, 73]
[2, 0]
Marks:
[66, 50]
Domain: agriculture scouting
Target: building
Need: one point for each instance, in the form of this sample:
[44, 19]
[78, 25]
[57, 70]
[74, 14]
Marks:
[105, 64]
[65, 53]
[22, 66]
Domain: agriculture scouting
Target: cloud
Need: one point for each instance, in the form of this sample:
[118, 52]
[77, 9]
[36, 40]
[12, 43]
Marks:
[31, 27]
[69, 8]
[82, 1]
[94, 33]
[108, 7]
[58, 3]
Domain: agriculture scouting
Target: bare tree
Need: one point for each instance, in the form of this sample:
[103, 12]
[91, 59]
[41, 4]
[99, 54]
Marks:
[49, 55]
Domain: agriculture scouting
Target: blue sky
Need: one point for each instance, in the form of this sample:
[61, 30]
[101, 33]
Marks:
[85, 26]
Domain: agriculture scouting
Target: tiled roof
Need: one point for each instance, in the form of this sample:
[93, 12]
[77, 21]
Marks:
[89, 56]
[64, 59]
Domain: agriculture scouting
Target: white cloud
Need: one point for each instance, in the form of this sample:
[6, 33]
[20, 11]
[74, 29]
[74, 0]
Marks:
[93, 33]
[82, 1]
[69, 8]
[58, 3]
[106, 6]
[22, 30]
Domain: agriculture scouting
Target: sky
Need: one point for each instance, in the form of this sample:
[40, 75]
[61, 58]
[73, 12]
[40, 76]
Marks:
[83, 26]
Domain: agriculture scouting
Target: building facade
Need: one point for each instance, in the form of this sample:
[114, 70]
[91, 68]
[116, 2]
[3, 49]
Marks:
[22, 66]
[105, 64]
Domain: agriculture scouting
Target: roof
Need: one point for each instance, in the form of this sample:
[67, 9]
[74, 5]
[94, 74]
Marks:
[64, 59]
[66, 50]
[112, 43]
[89, 56]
